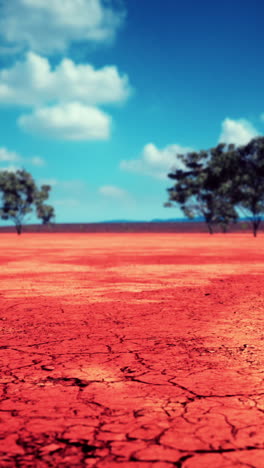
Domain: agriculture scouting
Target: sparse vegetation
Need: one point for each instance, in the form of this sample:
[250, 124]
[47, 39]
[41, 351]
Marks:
[20, 196]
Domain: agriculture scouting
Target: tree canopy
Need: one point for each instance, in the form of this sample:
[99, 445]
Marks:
[221, 183]
[249, 183]
[20, 196]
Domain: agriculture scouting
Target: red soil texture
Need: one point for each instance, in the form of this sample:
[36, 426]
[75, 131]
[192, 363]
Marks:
[133, 350]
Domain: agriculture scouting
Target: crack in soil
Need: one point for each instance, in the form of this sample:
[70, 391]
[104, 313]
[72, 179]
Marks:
[142, 362]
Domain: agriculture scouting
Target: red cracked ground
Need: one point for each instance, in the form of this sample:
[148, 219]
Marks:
[139, 350]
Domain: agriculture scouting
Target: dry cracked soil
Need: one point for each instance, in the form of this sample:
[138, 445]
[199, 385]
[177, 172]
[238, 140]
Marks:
[133, 350]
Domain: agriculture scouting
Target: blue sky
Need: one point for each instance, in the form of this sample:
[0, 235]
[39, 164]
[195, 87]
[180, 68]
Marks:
[98, 97]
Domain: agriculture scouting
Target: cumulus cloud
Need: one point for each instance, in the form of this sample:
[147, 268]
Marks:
[64, 100]
[10, 168]
[112, 191]
[9, 156]
[50, 26]
[238, 132]
[76, 186]
[262, 117]
[17, 161]
[67, 202]
[37, 161]
[155, 162]
[51, 181]
[71, 121]
[158, 162]
[76, 189]
[32, 82]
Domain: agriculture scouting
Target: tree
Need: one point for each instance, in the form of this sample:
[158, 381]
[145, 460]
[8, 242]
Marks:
[19, 196]
[200, 190]
[221, 182]
[45, 213]
[248, 182]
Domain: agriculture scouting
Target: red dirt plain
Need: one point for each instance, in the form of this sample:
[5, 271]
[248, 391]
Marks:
[139, 350]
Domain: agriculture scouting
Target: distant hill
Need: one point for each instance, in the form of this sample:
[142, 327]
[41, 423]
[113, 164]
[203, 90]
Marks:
[178, 220]
[199, 219]
[155, 220]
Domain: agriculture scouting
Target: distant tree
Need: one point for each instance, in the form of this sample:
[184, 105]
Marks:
[46, 213]
[19, 196]
[200, 190]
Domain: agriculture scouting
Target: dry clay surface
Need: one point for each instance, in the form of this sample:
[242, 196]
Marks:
[133, 350]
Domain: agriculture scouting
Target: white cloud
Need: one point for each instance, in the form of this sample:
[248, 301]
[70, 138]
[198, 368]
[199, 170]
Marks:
[158, 162]
[51, 182]
[50, 26]
[262, 117]
[67, 202]
[37, 161]
[155, 162]
[113, 192]
[9, 156]
[66, 188]
[238, 132]
[32, 82]
[71, 121]
[64, 100]
[73, 185]
[13, 157]
[10, 168]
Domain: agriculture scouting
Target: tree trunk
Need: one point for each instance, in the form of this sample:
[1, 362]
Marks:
[256, 224]
[18, 229]
[210, 228]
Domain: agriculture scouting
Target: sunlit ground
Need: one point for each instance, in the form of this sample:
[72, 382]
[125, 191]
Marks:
[133, 349]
